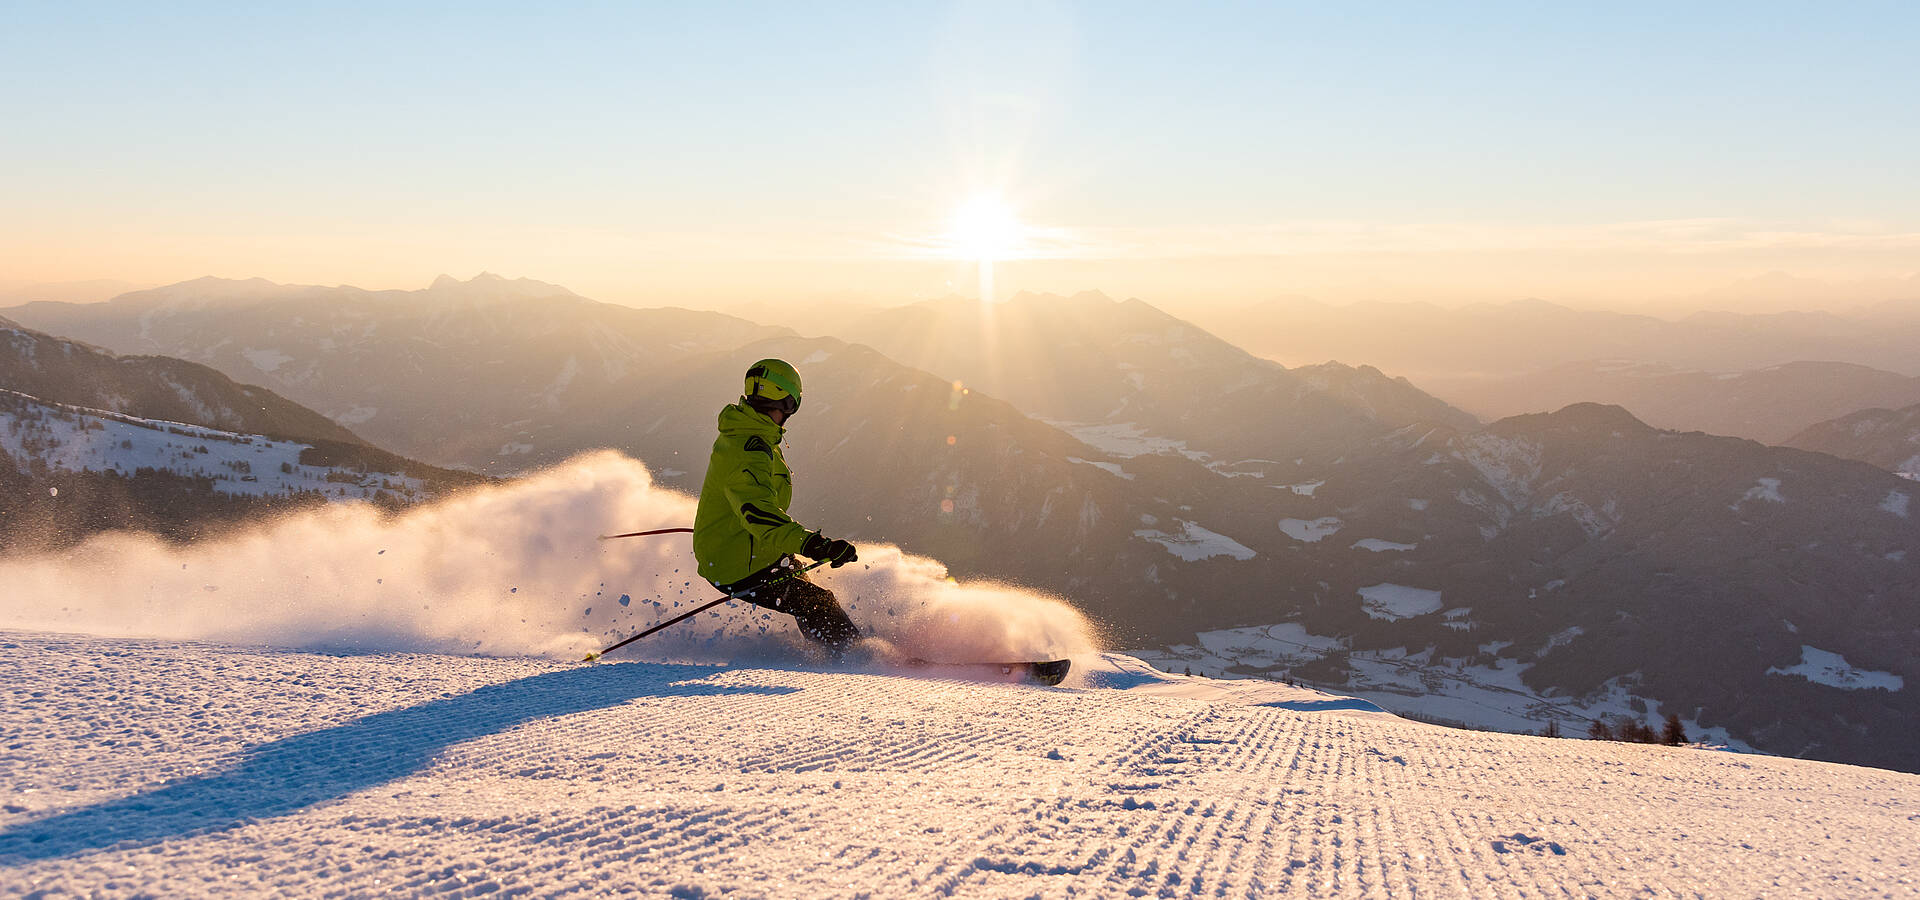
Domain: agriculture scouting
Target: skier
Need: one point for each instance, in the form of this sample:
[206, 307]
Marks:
[743, 539]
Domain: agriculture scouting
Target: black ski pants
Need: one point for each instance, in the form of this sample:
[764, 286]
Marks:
[815, 608]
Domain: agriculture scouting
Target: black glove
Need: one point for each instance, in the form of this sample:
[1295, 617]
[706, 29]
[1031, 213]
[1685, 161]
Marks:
[825, 549]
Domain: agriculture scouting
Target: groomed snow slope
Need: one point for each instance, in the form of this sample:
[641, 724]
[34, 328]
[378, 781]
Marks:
[181, 769]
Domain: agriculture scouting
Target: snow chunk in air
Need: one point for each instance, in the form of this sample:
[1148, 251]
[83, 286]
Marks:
[1896, 503]
[1393, 602]
[1831, 669]
[1194, 543]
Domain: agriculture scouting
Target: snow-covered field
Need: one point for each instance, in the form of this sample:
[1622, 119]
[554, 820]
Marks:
[1397, 601]
[1831, 669]
[147, 768]
[1194, 543]
[1437, 688]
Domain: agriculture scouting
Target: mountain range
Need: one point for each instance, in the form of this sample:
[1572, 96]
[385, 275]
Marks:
[1437, 346]
[1768, 405]
[1165, 480]
[1093, 362]
[469, 374]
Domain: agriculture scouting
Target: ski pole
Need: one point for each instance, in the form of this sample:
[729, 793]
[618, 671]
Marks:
[608, 537]
[691, 613]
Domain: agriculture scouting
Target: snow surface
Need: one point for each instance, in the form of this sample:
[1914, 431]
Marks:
[1379, 546]
[1831, 669]
[1310, 530]
[1397, 601]
[267, 360]
[1767, 489]
[74, 439]
[357, 415]
[1123, 439]
[1110, 467]
[1509, 465]
[183, 769]
[1195, 543]
[1435, 688]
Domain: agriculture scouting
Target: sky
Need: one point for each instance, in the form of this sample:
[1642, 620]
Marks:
[715, 154]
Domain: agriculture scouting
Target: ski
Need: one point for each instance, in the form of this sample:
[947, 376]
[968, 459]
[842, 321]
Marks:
[1048, 672]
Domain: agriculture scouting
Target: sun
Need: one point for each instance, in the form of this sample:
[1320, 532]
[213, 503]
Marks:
[984, 228]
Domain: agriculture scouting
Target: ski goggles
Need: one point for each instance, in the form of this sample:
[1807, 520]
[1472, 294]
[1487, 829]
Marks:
[788, 404]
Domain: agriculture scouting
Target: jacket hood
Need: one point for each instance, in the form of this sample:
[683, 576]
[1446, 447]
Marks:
[741, 419]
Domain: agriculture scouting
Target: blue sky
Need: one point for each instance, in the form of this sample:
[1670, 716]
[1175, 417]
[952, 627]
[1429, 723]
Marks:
[645, 124]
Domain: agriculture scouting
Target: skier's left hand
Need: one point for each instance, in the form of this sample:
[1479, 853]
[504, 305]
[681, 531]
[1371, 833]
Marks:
[833, 550]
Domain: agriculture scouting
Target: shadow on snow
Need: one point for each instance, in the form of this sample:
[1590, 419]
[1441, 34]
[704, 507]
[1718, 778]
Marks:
[291, 774]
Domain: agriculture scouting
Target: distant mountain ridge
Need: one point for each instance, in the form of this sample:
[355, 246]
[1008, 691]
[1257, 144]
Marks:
[1888, 438]
[1094, 361]
[1768, 405]
[1436, 345]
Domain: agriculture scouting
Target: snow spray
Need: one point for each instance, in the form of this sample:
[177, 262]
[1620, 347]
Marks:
[505, 570]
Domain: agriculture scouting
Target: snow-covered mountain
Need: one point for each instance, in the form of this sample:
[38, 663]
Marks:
[1586, 551]
[70, 471]
[166, 769]
[468, 374]
[65, 371]
[1888, 438]
[1768, 405]
[90, 441]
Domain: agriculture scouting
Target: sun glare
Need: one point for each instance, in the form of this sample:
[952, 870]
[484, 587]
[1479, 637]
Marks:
[984, 228]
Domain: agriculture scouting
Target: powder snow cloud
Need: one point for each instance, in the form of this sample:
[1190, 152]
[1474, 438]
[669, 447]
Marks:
[512, 569]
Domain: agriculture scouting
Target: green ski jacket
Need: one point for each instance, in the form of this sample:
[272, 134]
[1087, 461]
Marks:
[742, 524]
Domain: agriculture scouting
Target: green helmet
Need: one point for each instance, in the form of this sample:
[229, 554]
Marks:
[773, 384]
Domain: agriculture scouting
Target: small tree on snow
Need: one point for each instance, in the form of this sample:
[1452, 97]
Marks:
[1674, 734]
[1552, 729]
[1600, 730]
